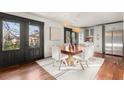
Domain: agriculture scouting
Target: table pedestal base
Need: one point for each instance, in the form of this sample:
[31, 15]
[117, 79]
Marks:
[70, 60]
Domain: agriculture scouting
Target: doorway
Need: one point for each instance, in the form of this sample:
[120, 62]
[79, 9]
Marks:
[21, 40]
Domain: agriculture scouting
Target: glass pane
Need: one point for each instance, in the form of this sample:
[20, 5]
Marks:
[34, 36]
[11, 36]
[67, 36]
[73, 38]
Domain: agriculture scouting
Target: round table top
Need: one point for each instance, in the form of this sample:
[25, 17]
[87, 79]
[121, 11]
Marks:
[72, 49]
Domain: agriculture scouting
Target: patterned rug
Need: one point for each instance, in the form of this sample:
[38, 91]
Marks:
[72, 73]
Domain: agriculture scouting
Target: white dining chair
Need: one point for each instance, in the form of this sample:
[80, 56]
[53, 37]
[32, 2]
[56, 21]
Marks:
[58, 56]
[91, 51]
[83, 58]
[91, 48]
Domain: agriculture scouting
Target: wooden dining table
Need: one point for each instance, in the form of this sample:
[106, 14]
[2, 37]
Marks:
[71, 50]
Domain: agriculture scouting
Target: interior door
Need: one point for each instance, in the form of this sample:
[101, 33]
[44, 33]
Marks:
[118, 43]
[108, 42]
[35, 42]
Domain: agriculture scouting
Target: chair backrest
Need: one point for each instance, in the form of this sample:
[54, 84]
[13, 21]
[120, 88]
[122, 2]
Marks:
[91, 52]
[55, 53]
[85, 53]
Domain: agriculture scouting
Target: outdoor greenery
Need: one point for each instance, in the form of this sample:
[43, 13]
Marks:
[8, 45]
[11, 36]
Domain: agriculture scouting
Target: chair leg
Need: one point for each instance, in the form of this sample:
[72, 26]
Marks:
[54, 63]
[82, 66]
[60, 64]
[87, 63]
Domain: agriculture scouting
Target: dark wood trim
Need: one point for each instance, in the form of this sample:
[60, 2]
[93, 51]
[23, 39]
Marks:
[14, 17]
[0, 41]
[103, 39]
[42, 39]
[114, 55]
[123, 38]
[9, 16]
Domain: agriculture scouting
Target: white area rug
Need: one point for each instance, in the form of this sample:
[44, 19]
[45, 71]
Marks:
[72, 73]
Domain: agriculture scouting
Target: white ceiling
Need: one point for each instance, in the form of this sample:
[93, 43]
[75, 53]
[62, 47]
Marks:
[82, 19]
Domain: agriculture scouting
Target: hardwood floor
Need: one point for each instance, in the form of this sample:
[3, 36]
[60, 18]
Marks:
[29, 71]
[112, 69]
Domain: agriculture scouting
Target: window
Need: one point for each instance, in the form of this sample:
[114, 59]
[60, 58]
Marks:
[73, 38]
[11, 36]
[34, 36]
[68, 37]
[81, 37]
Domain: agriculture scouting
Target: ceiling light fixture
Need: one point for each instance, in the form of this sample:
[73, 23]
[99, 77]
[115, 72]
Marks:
[66, 23]
[76, 29]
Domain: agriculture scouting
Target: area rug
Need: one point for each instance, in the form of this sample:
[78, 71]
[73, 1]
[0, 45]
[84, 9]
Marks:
[73, 72]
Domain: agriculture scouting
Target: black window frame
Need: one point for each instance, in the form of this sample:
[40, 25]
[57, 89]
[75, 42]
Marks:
[71, 31]
[10, 20]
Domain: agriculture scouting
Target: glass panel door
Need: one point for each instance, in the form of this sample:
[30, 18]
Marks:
[34, 49]
[12, 41]
[34, 36]
[21, 40]
[10, 36]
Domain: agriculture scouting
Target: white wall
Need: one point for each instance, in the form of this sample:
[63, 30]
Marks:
[47, 24]
[47, 43]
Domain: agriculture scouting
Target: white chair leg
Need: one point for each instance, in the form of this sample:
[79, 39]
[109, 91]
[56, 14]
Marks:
[82, 66]
[60, 65]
